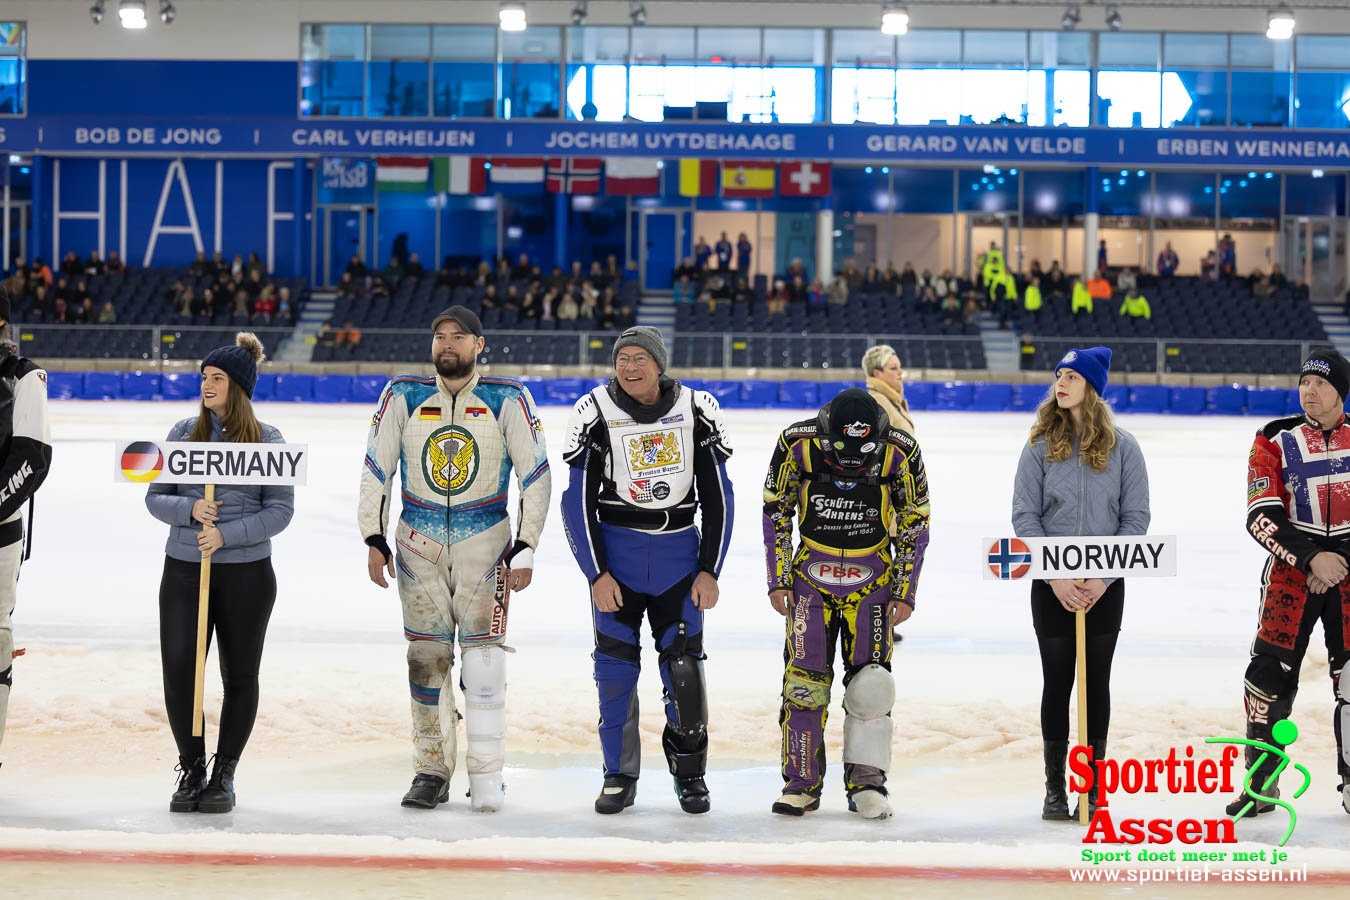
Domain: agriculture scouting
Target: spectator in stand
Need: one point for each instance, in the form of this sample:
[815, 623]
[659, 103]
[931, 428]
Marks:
[392, 273]
[530, 308]
[186, 303]
[65, 291]
[1260, 285]
[624, 318]
[208, 303]
[797, 290]
[1298, 290]
[16, 285]
[200, 266]
[609, 300]
[414, 268]
[108, 314]
[511, 300]
[1035, 271]
[607, 319]
[60, 314]
[815, 297]
[286, 313]
[39, 307]
[503, 270]
[687, 267]
[567, 309]
[743, 250]
[1081, 300]
[94, 265]
[970, 312]
[907, 276]
[548, 304]
[1055, 283]
[1032, 302]
[944, 285]
[630, 271]
[724, 252]
[838, 292]
[326, 336]
[446, 277]
[852, 274]
[613, 271]
[1126, 281]
[796, 268]
[742, 294]
[114, 265]
[683, 292]
[80, 292]
[349, 336]
[265, 306]
[1099, 287]
[890, 279]
[1135, 305]
[240, 310]
[1168, 262]
[42, 271]
[522, 269]
[236, 268]
[71, 265]
[1227, 257]
[1277, 279]
[596, 274]
[256, 265]
[950, 309]
[871, 276]
[218, 266]
[929, 303]
[556, 279]
[777, 300]
[702, 253]
[254, 285]
[926, 278]
[85, 314]
[173, 297]
[347, 288]
[1208, 265]
[1101, 256]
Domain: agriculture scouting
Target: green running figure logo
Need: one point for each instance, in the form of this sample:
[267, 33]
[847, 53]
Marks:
[1285, 733]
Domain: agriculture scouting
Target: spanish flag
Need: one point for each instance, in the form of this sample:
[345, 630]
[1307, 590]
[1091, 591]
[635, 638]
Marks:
[698, 177]
[747, 179]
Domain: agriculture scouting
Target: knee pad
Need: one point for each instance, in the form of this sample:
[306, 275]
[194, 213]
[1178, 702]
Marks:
[483, 680]
[1342, 722]
[806, 689]
[686, 695]
[868, 699]
[429, 662]
[1268, 690]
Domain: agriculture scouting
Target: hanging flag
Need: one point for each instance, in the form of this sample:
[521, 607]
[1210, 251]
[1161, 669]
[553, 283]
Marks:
[459, 174]
[402, 173]
[747, 179]
[632, 176]
[517, 170]
[805, 179]
[698, 177]
[573, 176]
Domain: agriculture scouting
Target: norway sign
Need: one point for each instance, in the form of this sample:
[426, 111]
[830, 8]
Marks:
[1078, 556]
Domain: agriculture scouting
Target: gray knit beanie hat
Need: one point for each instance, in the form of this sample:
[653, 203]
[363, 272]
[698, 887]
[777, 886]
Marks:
[646, 337]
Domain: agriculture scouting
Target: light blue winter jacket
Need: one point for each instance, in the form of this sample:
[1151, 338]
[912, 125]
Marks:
[250, 515]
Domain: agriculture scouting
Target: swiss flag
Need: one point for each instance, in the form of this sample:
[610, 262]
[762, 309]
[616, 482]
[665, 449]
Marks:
[573, 176]
[805, 179]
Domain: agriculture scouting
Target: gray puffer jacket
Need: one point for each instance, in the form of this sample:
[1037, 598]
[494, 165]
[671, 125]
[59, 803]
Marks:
[250, 515]
[1070, 498]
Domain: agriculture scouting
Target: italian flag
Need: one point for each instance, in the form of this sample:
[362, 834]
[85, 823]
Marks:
[459, 174]
[407, 174]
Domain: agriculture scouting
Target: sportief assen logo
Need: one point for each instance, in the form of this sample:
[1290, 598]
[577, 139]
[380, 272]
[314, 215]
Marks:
[142, 461]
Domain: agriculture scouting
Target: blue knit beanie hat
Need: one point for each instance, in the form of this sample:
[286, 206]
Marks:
[1094, 364]
[239, 362]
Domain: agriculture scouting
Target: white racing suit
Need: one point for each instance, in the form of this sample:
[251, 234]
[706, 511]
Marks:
[453, 542]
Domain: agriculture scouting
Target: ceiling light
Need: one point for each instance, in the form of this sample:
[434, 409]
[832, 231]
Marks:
[1280, 23]
[132, 14]
[167, 12]
[637, 13]
[512, 16]
[96, 12]
[894, 19]
[1113, 19]
[579, 13]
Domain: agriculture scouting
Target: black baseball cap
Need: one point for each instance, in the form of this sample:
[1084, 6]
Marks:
[461, 315]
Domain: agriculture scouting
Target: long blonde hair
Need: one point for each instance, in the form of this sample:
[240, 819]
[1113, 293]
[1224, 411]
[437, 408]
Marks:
[237, 421]
[1095, 443]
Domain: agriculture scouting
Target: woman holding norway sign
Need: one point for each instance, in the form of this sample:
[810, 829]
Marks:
[234, 530]
[1080, 474]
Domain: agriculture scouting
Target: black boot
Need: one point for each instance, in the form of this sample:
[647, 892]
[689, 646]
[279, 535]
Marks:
[427, 792]
[1098, 752]
[218, 795]
[693, 794]
[617, 794]
[191, 781]
[1244, 803]
[688, 768]
[1056, 805]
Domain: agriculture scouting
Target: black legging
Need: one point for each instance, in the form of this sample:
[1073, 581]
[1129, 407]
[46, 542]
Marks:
[242, 595]
[1059, 658]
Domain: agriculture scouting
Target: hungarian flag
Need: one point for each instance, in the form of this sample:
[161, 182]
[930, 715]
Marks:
[402, 173]
[459, 174]
[573, 176]
[747, 179]
[632, 176]
[698, 177]
[805, 179]
[517, 170]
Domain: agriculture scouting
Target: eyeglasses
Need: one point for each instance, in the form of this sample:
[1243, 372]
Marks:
[640, 360]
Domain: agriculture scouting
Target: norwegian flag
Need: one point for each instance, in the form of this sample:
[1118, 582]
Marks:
[1009, 558]
[573, 176]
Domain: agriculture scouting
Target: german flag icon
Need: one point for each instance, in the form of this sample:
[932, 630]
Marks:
[142, 461]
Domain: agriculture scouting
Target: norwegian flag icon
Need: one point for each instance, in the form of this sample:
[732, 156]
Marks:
[573, 176]
[1009, 558]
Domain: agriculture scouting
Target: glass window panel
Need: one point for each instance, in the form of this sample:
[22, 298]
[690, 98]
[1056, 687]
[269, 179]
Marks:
[399, 41]
[981, 191]
[930, 48]
[1123, 192]
[1053, 49]
[1128, 99]
[609, 92]
[1052, 193]
[529, 90]
[1247, 197]
[713, 83]
[991, 95]
[996, 48]
[397, 88]
[719, 45]
[929, 96]
[922, 191]
[1254, 51]
[792, 95]
[1308, 196]
[1136, 50]
[1195, 51]
[345, 42]
[863, 95]
[660, 44]
[464, 42]
[1185, 195]
[311, 42]
[13, 39]
[1323, 100]
[1260, 98]
[1072, 97]
[463, 89]
[1207, 92]
[592, 44]
[11, 86]
[858, 190]
[334, 86]
[533, 44]
[795, 45]
[863, 47]
[1323, 51]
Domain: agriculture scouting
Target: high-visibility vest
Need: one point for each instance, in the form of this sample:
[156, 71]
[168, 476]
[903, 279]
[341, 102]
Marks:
[1032, 298]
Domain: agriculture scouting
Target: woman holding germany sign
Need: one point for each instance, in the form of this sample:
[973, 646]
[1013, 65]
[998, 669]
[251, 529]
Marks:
[1080, 474]
[234, 530]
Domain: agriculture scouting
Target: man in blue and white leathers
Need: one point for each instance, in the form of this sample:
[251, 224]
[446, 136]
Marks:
[644, 452]
[457, 437]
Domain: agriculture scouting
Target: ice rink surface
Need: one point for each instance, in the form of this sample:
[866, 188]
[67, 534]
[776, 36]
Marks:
[88, 758]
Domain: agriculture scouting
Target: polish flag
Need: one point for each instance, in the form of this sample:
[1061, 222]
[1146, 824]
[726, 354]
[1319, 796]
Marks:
[401, 173]
[517, 170]
[632, 176]
[573, 176]
[459, 174]
[804, 179]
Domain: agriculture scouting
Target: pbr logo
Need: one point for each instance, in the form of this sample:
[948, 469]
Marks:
[840, 574]
[857, 430]
[1009, 558]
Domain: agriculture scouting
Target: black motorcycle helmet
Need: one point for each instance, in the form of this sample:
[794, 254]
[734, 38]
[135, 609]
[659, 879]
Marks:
[853, 431]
